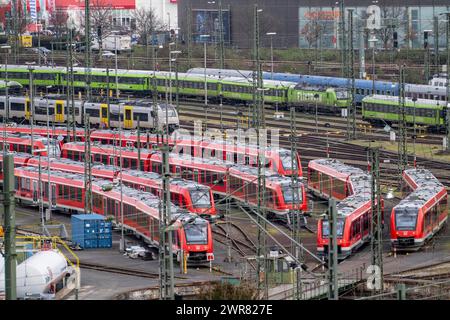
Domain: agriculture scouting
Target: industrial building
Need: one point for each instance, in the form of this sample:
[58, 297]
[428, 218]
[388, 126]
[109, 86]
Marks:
[311, 23]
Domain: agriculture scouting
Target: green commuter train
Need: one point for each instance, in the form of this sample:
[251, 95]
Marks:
[385, 109]
[144, 83]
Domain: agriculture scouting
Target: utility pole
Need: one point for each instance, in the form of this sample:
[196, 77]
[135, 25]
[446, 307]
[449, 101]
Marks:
[376, 241]
[31, 111]
[343, 39]
[72, 89]
[139, 143]
[10, 227]
[87, 63]
[221, 40]
[447, 118]
[351, 114]
[15, 21]
[189, 35]
[362, 54]
[258, 115]
[166, 255]
[108, 104]
[87, 166]
[68, 87]
[427, 55]
[436, 42]
[296, 197]
[402, 147]
[333, 289]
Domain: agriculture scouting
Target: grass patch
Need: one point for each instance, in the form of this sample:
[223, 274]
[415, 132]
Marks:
[431, 152]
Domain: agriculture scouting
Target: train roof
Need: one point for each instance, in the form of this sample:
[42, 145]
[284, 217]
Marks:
[423, 178]
[11, 68]
[347, 206]
[10, 84]
[266, 82]
[222, 72]
[97, 144]
[418, 198]
[423, 88]
[361, 183]
[209, 161]
[269, 175]
[338, 166]
[407, 100]
[234, 143]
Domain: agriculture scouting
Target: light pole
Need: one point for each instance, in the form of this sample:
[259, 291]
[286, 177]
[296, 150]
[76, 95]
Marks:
[271, 34]
[48, 154]
[122, 237]
[414, 99]
[316, 98]
[117, 78]
[7, 48]
[204, 56]
[31, 111]
[427, 53]
[41, 204]
[447, 148]
[373, 43]
[170, 73]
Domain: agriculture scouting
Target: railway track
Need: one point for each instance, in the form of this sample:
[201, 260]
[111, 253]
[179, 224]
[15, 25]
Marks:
[111, 269]
[334, 126]
[312, 146]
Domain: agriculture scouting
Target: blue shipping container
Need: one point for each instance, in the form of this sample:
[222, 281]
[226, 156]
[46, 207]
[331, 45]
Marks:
[87, 228]
[104, 242]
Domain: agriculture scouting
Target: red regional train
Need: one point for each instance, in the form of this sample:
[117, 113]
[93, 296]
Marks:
[331, 178]
[209, 172]
[192, 234]
[354, 216]
[22, 143]
[186, 194]
[276, 159]
[216, 174]
[419, 216]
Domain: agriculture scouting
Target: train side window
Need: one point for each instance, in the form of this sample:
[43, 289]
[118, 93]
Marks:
[17, 106]
[127, 114]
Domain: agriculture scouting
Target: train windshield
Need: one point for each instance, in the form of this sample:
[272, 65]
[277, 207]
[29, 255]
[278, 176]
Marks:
[53, 147]
[200, 198]
[405, 218]
[170, 110]
[288, 162]
[342, 94]
[290, 196]
[196, 233]
[339, 228]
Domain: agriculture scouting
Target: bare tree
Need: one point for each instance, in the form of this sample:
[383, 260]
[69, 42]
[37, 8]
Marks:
[312, 30]
[58, 19]
[101, 14]
[146, 23]
[393, 18]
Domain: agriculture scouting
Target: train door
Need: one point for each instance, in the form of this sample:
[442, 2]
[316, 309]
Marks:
[27, 109]
[53, 196]
[105, 207]
[59, 111]
[117, 211]
[35, 192]
[128, 120]
[104, 115]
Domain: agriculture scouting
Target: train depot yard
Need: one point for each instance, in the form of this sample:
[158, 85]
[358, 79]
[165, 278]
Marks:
[183, 181]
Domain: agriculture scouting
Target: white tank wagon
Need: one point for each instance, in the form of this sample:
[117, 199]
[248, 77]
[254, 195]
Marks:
[38, 275]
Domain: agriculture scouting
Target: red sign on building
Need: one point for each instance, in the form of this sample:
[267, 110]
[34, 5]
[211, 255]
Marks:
[115, 4]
